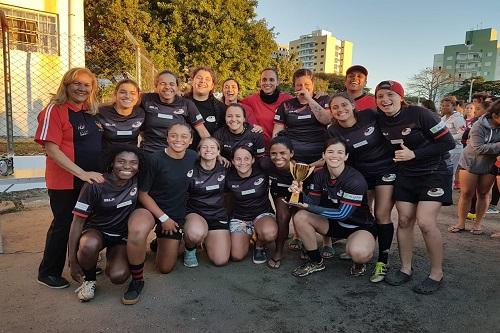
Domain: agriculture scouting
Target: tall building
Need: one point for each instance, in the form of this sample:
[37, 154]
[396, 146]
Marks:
[281, 52]
[478, 56]
[321, 52]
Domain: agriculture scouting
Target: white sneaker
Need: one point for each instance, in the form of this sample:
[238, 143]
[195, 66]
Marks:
[86, 291]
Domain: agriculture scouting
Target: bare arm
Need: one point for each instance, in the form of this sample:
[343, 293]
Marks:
[75, 233]
[277, 128]
[55, 153]
[202, 131]
[322, 115]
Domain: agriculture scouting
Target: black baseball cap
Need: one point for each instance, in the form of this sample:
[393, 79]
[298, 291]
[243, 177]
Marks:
[357, 68]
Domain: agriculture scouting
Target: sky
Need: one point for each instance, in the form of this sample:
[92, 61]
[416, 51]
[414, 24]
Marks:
[393, 39]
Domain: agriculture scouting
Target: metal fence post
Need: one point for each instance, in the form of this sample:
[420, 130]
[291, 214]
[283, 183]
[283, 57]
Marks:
[137, 57]
[8, 93]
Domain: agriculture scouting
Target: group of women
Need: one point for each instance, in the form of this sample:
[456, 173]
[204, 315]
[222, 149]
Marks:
[219, 196]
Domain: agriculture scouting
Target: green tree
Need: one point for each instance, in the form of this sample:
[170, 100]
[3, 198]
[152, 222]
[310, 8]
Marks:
[335, 81]
[491, 87]
[286, 66]
[222, 34]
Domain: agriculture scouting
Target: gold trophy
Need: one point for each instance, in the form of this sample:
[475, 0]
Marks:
[299, 171]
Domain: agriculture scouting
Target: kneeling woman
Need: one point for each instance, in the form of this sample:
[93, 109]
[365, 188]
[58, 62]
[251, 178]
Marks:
[100, 221]
[252, 211]
[162, 191]
[336, 206]
[207, 220]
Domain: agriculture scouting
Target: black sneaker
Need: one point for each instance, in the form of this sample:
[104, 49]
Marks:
[308, 268]
[397, 278]
[259, 256]
[428, 286]
[55, 282]
[131, 296]
[98, 270]
[358, 269]
[154, 245]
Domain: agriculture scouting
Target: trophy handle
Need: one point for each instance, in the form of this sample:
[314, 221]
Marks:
[311, 170]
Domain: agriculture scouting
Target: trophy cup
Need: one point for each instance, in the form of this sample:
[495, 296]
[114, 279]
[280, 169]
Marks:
[299, 171]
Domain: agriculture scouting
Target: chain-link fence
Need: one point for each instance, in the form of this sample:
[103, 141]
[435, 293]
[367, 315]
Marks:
[37, 64]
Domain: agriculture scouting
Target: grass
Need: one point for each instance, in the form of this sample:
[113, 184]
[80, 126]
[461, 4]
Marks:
[22, 147]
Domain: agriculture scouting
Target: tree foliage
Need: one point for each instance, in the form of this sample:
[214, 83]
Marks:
[479, 85]
[286, 66]
[335, 82]
[431, 83]
[222, 34]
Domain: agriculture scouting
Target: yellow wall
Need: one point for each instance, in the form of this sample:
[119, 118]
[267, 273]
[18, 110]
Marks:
[346, 61]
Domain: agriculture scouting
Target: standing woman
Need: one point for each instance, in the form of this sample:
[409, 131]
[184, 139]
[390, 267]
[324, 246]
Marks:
[71, 136]
[476, 163]
[249, 187]
[237, 131]
[122, 120]
[371, 155]
[230, 92]
[164, 108]
[162, 192]
[100, 221]
[304, 119]
[421, 142]
[266, 101]
[206, 219]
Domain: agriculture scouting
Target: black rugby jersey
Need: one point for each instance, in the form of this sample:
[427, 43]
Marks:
[369, 152]
[166, 180]
[105, 206]
[212, 110]
[250, 194]
[229, 140]
[279, 180]
[423, 132]
[160, 116]
[306, 132]
[120, 129]
[343, 199]
[206, 192]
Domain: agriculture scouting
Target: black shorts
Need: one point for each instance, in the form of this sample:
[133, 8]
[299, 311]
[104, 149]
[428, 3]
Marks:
[431, 187]
[383, 179]
[495, 171]
[110, 240]
[176, 235]
[213, 223]
[338, 231]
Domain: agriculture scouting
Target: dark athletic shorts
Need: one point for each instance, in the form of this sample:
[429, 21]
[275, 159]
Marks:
[110, 240]
[385, 179]
[337, 230]
[213, 224]
[431, 187]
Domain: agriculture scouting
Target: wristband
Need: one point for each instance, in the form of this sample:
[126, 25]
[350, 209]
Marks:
[163, 218]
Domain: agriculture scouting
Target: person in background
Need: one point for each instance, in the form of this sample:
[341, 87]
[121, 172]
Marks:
[456, 125]
[72, 138]
[266, 101]
[428, 104]
[477, 161]
[355, 83]
[122, 120]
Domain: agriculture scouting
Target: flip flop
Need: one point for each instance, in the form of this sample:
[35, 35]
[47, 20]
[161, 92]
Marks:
[476, 232]
[274, 263]
[454, 229]
[327, 252]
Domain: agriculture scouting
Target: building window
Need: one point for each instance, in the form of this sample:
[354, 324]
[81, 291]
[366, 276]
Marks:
[322, 42]
[449, 58]
[487, 64]
[322, 49]
[32, 31]
[460, 56]
[448, 67]
[322, 56]
[485, 73]
[489, 54]
[321, 63]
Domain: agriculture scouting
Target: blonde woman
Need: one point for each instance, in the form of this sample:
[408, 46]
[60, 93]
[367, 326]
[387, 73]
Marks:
[70, 134]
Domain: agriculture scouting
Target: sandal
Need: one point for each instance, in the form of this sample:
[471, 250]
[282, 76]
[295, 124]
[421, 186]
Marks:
[454, 229]
[327, 252]
[428, 286]
[476, 232]
[274, 263]
[295, 245]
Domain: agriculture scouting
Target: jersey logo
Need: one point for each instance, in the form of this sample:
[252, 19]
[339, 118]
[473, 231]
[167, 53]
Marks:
[235, 186]
[137, 124]
[277, 117]
[249, 144]
[406, 131]
[221, 178]
[435, 192]
[340, 192]
[259, 181]
[197, 182]
[210, 119]
[190, 173]
[385, 133]
[133, 191]
[109, 199]
[389, 177]
[82, 129]
[179, 111]
[438, 127]
[109, 124]
[153, 107]
[369, 131]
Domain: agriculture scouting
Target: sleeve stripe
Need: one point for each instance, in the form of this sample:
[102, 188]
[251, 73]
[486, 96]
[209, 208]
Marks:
[79, 214]
[316, 194]
[46, 120]
[443, 133]
[351, 203]
[342, 214]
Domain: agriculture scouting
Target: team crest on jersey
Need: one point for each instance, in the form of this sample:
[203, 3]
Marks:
[435, 192]
[210, 119]
[406, 131]
[385, 133]
[340, 193]
[133, 191]
[179, 111]
[259, 181]
[137, 124]
[369, 131]
[190, 173]
[83, 129]
[389, 177]
[249, 144]
[221, 178]
[235, 186]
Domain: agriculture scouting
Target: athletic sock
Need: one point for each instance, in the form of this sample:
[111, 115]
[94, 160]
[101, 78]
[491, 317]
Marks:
[314, 255]
[90, 274]
[137, 271]
[189, 248]
[385, 235]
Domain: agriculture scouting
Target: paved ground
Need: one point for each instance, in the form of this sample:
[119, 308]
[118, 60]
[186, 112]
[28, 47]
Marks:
[243, 297]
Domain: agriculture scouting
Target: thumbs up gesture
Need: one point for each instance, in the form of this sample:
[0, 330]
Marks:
[404, 154]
